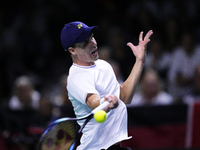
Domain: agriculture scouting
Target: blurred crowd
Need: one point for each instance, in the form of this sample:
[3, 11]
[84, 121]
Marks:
[34, 66]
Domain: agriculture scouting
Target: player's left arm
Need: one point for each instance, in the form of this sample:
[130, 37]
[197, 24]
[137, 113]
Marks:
[127, 89]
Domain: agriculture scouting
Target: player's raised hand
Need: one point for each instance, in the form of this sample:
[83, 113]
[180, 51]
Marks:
[139, 50]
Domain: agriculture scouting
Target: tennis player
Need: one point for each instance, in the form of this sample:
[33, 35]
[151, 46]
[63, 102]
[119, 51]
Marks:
[92, 81]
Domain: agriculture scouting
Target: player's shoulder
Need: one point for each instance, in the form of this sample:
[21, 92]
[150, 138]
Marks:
[101, 62]
[77, 72]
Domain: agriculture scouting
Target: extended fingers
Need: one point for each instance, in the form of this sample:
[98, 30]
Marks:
[140, 36]
[147, 37]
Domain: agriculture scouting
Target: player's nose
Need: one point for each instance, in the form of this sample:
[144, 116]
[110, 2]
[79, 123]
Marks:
[94, 41]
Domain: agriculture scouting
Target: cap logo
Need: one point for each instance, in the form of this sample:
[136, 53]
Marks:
[79, 25]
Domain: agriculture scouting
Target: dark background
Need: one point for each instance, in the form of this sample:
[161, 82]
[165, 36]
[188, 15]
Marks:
[30, 32]
[30, 39]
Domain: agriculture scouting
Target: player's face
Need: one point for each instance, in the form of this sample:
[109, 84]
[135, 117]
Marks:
[86, 52]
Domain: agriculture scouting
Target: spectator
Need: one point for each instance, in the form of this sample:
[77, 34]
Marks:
[151, 92]
[25, 96]
[158, 59]
[184, 60]
[194, 96]
[44, 111]
[21, 117]
[62, 106]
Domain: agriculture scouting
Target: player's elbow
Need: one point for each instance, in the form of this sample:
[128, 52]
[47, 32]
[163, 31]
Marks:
[125, 95]
[126, 99]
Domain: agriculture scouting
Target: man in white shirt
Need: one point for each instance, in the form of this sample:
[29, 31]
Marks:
[150, 91]
[92, 81]
[184, 61]
[24, 96]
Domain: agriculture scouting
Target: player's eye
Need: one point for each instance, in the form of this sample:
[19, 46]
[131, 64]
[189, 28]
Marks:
[85, 43]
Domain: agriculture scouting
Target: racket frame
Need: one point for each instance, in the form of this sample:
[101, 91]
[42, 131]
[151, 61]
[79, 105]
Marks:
[87, 117]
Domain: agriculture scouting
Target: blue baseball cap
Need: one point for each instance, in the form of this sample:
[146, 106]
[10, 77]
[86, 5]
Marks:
[74, 32]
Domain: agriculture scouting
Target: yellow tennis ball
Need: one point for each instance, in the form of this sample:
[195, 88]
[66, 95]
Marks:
[100, 116]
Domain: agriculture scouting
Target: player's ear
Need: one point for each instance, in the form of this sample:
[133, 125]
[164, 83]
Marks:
[72, 50]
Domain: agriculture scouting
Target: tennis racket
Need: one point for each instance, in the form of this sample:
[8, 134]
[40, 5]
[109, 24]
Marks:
[64, 133]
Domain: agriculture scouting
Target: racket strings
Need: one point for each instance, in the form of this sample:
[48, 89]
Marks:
[60, 136]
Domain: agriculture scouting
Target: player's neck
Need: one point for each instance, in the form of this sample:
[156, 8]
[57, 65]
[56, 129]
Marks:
[79, 63]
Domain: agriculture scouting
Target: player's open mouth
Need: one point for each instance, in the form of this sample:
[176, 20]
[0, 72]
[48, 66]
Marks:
[94, 52]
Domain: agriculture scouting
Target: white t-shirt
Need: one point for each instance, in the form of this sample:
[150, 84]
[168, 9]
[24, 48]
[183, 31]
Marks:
[99, 79]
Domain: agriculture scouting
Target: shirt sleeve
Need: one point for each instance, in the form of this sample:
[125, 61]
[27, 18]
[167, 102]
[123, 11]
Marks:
[79, 85]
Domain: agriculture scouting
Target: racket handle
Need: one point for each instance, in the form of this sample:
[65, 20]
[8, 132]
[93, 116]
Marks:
[100, 107]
